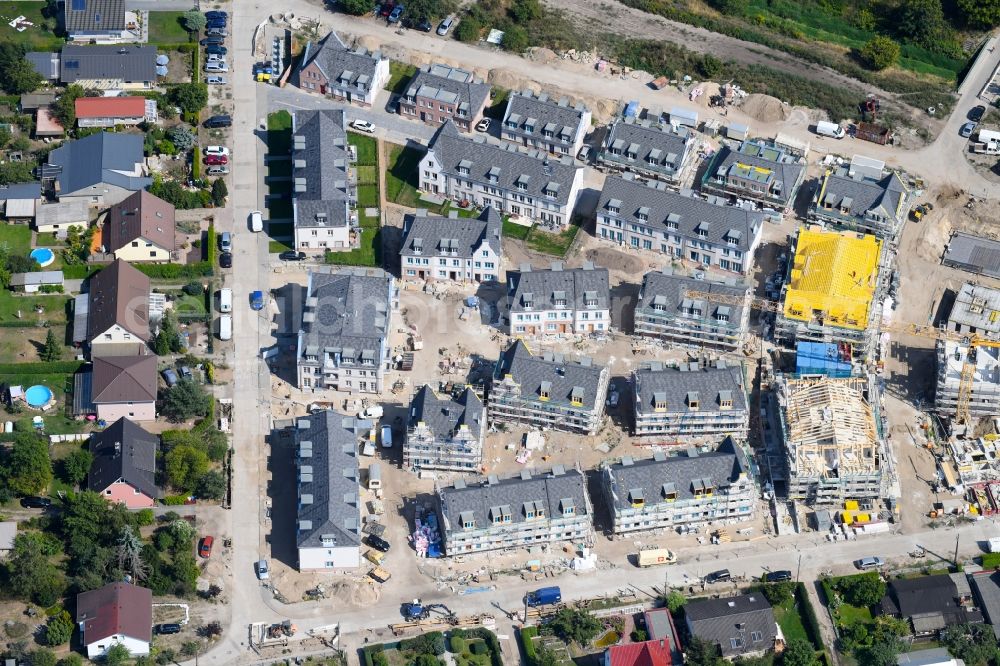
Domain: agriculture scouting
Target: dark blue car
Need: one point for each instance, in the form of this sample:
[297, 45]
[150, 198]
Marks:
[215, 15]
[215, 49]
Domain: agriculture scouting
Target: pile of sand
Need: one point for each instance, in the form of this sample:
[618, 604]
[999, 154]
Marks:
[764, 108]
[504, 78]
[358, 593]
[709, 90]
[542, 55]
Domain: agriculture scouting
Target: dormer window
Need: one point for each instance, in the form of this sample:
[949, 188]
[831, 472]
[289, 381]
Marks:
[528, 301]
[576, 397]
[463, 167]
[636, 498]
[468, 520]
[559, 298]
[614, 206]
[643, 214]
[669, 492]
[493, 175]
[545, 390]
[702, 230]
[722, 314]
[568, 507]
[590, 299]
[659, 303]
[733, 237]
[725, 399]
[659, 401]
[693, 401]
[673, 221]
[521, 183]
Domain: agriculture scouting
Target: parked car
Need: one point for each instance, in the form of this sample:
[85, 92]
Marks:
[718, 576]
[186, 372]
[263, 573]
[220, 170]
[424, 26]
[363, 126]
[976, 113]
[967, 130]
[386, 437]
[866, 563]
[36, 502]
[167, 628]
[257, 300]
[213, 160]
[216, 150]
[215, 80]
[446, 25]
[213, 39]
[216, 14]
[613, 399]
[216, 23]
[205, 547]
[215, 57]
[218, 66]
[170, 377]
[216, 49]
[584, 154]
[483, 125]
[256, 221]
[396, 14]
[226, 241]
[217, 32]
[292, 255]
[223, 120]
[378, 543]
[226, 260]
[778, 576]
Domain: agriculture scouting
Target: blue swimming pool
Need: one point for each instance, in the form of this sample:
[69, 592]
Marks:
[38, 395]
[43, 255]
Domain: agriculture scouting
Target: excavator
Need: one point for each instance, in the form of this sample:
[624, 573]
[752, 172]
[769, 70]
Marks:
[415, 610]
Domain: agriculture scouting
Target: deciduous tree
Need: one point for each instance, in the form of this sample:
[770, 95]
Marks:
[17, 76]
[76, 466]
[357, 7]
[190, 97]
[186, 400]
[28, 469]
[980, 13]
[880, 52]
[194, 20]
[798, 652]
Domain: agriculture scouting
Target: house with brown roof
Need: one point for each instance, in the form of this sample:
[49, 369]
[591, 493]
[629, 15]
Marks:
[118, 311]
[115, 387]
[117, 613]
[124, 466]
[140, 228]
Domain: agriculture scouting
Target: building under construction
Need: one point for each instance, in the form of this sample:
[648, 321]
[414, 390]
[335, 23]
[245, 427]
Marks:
[982, 378]
[976, 311]
[830, 428]
[834, 289]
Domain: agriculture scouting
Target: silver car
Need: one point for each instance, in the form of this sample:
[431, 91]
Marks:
[215, 80]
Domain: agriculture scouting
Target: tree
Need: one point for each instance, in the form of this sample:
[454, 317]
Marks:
[186, 400]
[525, 11]
[15, 172]
[212, 485]
[43, 657]
[427, 660]
[674, 601]
[168, 338]
[71, 659]
[798, 652]
[181, 137]
[76, 466]
[545, 656]
[193, 20]
[117, 655]
[28, 467]
[430, 10]
[983, 14]
[185, 467]
[219, 192]
[59, 629]
[879, 654]
[50, 351]
[190, 97]
[972, 643]
[700, 652]
[30, 575]
[356, 7]
[515, 39]
[863, 590]
[710, 66]
[130, 554]
[570, 624]
[920, 21]
[64, 108]
[880, 52]
[778, 593]
[469, 29]
[16, 73]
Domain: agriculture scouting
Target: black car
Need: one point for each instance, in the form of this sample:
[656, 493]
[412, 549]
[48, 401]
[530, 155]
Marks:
[219, 121]
[215, 39]
[226, 260]
[378, 543]
[169, 628]
[36, 502]
[976, 113]
[217, 23]
[216, 14]
[778, 576]
[423, 25]
[216, 49]
[292, 255]
[718, 576]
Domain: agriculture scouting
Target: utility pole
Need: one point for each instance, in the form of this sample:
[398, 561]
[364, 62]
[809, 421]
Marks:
[955, 559]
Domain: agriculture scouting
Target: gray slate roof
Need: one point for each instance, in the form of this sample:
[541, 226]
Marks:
[664, 208]
[649, 142]
[480, 501]
[329, 506]
[36, 277]
[670, 291]
[95, 16]
[450, 85]
[561, 376]
[350, 316]
[129, 63]
[540, 288]
[32, 190]
[335, 60]
[444, 415]
[677, 384]
[509, 165]
[45, 63]
[320, 168]
[532, 115]
[860, 194]
[679, 474]
[986, 587]
[719, 620]
[973, 253]
[124, 451]
[97, 159]
[753, 153]
[433, 234]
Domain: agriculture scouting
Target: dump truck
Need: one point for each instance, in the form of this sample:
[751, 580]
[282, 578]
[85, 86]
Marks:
[543, 596]
[651, 557]
[918, 212]
[379, 574]
[375, 557]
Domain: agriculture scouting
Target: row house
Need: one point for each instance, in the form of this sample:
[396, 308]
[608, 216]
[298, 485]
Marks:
[546, 124]
[524, 511]
[517, 184]
[690, 489]
[558, 301]
[445, 432]
[649, 149]
[324, 192]
[690, 402]
[864, 197]
[343, 342]
[682, 226]
[439, 93]
[757, 171]
[701, 313]
[547, 391]
[451, 248]
[331, 69]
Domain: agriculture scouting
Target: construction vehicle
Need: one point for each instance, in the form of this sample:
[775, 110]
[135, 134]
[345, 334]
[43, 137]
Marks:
[649, 557]
[414, 611]
[918, 212]
[375, 557]
[379, 574]
[265, 634]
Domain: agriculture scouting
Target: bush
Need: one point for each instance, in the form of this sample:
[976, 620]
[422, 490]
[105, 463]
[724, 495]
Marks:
[880, 52]
[991, 560]
[59, 629]
[778, 593]
[468, 30]
[478, 647]
[145, 517]
[457, 644]
[193, 289]
[638, 635]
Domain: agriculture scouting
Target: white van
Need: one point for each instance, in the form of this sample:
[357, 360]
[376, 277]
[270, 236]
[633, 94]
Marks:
[225, 300]
[256, 221]
[374, 476]
[226, 327]
[386, 437]
[826, 128]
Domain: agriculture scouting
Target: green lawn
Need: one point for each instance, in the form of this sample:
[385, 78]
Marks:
[401, 176]
[278, 246]
[190, 305]
[400, 74]
[55, 421]
[367, 196]
[497, 104]
[367, 175]
[518, 231]
[790, 621]
[548, 243]
[279, 133]
[366, 145]
[39, 37]
[48, 239]
[167, 28]
[15, 238]
[366, 255]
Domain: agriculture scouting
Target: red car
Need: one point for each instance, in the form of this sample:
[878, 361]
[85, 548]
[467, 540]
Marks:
[205, 547]
[216, 160]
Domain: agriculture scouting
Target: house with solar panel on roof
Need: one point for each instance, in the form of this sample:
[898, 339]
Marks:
[100, 22]
[758, 171]
[439, 92]
[125, 67]
[330, 68]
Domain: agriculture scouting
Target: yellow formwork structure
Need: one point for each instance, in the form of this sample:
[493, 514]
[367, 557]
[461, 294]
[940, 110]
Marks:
[833, 278]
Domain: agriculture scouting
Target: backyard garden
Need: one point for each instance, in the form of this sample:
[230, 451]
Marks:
[462, 647]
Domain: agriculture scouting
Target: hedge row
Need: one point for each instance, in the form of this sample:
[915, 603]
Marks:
[488, 637]
[809, 616]
[20, 323]
[527, 633]
[176, 271]
[40, 368]
[212, 251]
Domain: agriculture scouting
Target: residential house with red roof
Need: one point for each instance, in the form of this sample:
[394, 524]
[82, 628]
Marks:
[141, 227]
[647, 653]
[124, 466]
[111, 111]
[117, 613]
